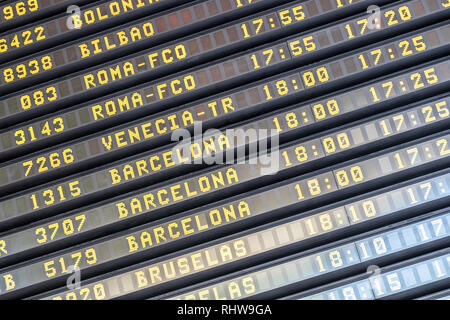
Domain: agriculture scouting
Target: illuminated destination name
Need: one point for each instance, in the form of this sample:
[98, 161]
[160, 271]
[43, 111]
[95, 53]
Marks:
[107, 75]
[190, 263]
[188, 225]
[167, 159]
[95, 46]
[155, 127]
[177, 192]
[117, 105]
[126, 68]
[235, 290]
[115, 8]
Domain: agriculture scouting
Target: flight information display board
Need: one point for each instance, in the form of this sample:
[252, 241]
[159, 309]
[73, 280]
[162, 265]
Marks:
[224, 149]
[294, 192]
[352, 138]
[303, 152]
